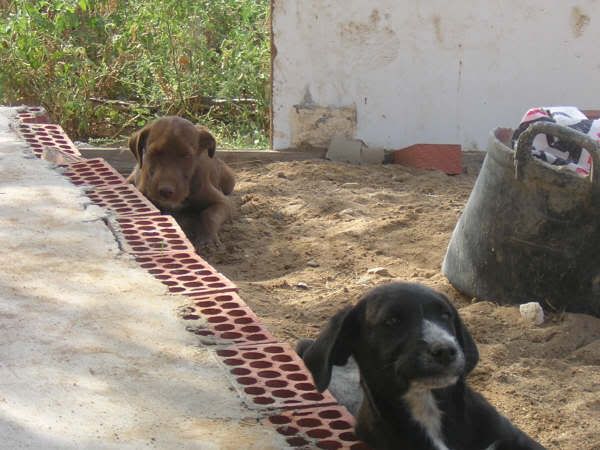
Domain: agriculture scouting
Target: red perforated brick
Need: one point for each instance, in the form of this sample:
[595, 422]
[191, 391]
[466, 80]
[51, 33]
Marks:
[151, 235]
[124, 200]
[58, 157]
[94, 172]
[186, 273]
[33, 114]
[330, 427]
[272, 376]
[226, 320]
[40, 136]
[444, 157]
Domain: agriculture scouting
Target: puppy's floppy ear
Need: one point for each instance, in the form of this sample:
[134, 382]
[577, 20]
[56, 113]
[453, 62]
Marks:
[137, 143]
[332, 347]
[206, 141]
[465, 340]
[303, 345]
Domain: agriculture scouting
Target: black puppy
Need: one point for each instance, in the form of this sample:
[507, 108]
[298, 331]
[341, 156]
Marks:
[414, 353]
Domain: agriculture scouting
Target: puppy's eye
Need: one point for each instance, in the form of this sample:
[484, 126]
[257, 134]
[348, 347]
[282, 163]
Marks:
[446, 316]
[392, 322]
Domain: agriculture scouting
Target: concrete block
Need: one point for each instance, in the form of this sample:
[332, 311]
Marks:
[372, 155]
[353, 151]
[345, 150]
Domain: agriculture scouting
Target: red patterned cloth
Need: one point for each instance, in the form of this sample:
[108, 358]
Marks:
[560, 152]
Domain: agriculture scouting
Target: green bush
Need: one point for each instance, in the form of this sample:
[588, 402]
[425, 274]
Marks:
[102, 68]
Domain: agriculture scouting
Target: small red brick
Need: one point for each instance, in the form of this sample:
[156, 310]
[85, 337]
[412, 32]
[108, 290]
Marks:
[444, 157]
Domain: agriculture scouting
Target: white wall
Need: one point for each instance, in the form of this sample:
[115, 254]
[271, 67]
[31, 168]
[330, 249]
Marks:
[432, 71]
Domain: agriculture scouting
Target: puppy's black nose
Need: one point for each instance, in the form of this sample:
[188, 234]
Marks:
[443, 353]
[166, 192]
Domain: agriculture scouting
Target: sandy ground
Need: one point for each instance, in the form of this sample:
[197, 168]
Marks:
[306, 234]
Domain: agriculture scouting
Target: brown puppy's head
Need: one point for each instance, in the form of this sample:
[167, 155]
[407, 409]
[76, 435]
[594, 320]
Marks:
[170, 151]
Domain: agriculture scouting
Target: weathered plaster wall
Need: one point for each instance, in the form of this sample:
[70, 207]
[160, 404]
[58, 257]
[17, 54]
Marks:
[427, 71]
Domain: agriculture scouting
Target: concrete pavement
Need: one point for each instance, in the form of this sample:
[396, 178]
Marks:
[92, 352]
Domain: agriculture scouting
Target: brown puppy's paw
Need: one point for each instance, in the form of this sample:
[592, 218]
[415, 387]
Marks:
[207, 242]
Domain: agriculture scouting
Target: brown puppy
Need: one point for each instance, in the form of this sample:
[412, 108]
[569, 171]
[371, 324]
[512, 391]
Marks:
[178, 171]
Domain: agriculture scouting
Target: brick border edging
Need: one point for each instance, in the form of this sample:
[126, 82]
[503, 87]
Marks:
[267, 374]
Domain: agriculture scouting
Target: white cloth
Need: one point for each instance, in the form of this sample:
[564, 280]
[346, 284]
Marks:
[554, 151]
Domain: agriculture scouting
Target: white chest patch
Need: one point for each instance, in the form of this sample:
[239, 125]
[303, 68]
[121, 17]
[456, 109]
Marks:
[426, 413]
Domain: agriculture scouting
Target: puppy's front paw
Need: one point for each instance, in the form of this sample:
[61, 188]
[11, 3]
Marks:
[207, 242]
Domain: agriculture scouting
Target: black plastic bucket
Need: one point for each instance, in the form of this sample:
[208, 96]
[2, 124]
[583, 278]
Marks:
[530, 231]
